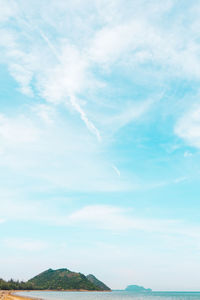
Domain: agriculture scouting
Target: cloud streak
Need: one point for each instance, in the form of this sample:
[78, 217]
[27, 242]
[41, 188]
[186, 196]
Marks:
[25, 244]
[115, 218]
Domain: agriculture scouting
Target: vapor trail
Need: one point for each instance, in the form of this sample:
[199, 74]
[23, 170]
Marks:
[91, 127]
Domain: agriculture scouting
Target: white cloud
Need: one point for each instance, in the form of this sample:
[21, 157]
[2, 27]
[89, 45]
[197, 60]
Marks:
[117, 171]
[132, 43]
[7, 11]
[118, 219]
[56, 151]
[188, 127]
[18, 130]
[132, 112]
[50, 55]
[25, 244]
[13, 208]
[23, 76]
[102, 216]
[62, 68]
[46, 112]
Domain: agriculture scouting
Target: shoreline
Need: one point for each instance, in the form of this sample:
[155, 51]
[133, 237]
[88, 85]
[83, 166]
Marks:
[11, 295]
[74, 290]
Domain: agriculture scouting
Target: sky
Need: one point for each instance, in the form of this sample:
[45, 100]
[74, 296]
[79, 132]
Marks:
[100, 140]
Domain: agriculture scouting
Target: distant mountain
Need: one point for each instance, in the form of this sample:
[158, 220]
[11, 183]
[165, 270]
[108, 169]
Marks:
[97, 282]
[137, 289]
[64, 279]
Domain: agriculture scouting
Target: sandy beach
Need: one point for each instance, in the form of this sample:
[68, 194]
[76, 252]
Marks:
[8, 295]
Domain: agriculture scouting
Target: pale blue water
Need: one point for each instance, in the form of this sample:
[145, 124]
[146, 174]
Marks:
[114, 295]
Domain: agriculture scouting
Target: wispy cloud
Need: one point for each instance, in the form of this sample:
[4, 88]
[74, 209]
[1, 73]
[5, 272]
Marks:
[43, 140]
[18, 130]
[188, 127]
[119, 219]
[52, 69]
[25, 244]
[116, 170]
[78, 70]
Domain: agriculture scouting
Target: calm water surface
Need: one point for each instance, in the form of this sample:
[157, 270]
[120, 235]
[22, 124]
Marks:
[114, 295]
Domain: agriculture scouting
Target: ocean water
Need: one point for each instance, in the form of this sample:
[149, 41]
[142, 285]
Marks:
[114, 295]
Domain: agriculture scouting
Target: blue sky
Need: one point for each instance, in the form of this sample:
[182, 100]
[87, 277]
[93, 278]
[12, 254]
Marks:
[100, 139]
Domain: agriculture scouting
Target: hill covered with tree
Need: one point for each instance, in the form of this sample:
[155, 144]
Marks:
[97, 282]
[61, 279]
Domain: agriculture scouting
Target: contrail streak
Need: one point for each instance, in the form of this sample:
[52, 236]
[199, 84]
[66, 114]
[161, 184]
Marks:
[92, 128]
[116, 170]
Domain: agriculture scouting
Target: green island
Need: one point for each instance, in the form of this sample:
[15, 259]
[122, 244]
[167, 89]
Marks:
[61, 279]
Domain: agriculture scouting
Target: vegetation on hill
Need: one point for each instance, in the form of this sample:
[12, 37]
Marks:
[61, 279]
[15, 285]
[97, 282]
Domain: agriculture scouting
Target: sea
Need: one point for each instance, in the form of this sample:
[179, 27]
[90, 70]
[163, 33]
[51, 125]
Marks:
[114, 295]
